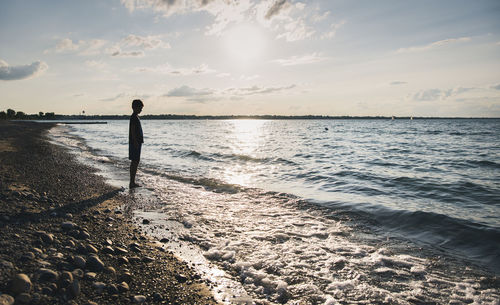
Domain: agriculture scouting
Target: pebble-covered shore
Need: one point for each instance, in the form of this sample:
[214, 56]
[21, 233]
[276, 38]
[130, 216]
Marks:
[66, 237]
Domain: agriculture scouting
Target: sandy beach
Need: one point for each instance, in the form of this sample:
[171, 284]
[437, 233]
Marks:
[67, 237]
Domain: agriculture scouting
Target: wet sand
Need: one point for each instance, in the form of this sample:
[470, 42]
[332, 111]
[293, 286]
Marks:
[66, 237]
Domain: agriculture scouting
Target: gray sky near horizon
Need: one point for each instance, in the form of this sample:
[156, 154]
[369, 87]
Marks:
[284, 57]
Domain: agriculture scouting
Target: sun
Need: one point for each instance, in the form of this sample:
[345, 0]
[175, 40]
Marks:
[244, 43]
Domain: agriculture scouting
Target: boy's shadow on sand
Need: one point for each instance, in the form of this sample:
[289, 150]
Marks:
[73, 207]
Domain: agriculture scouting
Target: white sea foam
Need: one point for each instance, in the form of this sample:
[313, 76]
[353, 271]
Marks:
[281, 253]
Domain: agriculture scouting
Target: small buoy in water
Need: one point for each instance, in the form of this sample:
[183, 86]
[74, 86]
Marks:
[326, 128]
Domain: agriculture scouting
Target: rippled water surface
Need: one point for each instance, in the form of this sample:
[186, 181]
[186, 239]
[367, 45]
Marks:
[324, 211]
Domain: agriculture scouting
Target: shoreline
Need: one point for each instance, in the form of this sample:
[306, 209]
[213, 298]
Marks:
[68, 238]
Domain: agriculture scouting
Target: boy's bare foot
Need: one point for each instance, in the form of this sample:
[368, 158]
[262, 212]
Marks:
[133, 185]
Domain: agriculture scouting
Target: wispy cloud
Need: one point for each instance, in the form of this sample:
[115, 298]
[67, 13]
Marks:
[186, 91]
[125, 95]
[130, 46]
[291, 21]
[235, 93]
[433, 45]
[145, 42]
[168, 69]
[242, 91]
[334, 27]
[296, 30]
[440, 94]
[496, 87]
[301, 60]
[8, 72]
[277, 6]
[397, 82]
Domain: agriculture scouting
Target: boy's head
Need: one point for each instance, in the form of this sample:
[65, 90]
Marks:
[137, 106]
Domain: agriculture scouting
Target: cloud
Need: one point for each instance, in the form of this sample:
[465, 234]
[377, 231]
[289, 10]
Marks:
[290, 20]
[395, 83]
[334, 27]
[276, 8]
[301, 60]
[206, 95]
[82, 47]
[439, 94]
[296, 30]
[94, 64]
[257, 90]
[145, 42]
[8, 72]
[67, 44]
[117, 52]
[497, 87]
[130, 46]
[167, 69]
[186, 91]
[433, 45]
[125, 95]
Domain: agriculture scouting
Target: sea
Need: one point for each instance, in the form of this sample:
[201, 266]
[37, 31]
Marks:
[337, 211]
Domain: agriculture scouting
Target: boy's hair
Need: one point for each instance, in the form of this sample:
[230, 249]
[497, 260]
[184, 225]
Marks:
[137, 103]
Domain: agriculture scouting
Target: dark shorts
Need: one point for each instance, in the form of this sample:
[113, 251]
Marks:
[134, 153]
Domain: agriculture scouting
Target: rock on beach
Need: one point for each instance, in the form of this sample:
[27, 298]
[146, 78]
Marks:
[20, 283]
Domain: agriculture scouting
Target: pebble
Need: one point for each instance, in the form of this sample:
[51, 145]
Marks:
[94, 263]
[181, 278]
[75, 288]
[125, 277]
[146, 221]
[23, 298]
[99, 286]
[122, 260]
[109, 242]
[66, 278]
[83, 235]
[6, 264]
[6, 299]
[123, 287]
[78, 273]
[134, 259]
[68, 225]
[90, 276]
[110, 270]
[91, 249]
[46, 237]
[28, 256]
[48, 275]
[91, 303]
[120, 251]
[37, 250]
[108, 250]
[157, 297]
[112, 289]
[20, 283]
[148, 259]
[139, 299]
[79, 261]
[164, 240]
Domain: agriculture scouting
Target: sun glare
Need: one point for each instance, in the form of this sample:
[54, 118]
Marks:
[244, 43]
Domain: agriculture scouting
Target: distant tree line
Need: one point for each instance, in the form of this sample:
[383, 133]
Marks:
[11, 114]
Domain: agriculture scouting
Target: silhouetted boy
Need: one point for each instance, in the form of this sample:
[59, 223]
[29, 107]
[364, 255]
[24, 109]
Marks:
[135, 140]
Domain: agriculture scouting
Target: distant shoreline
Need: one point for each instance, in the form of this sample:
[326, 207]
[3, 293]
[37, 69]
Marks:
[59, 117]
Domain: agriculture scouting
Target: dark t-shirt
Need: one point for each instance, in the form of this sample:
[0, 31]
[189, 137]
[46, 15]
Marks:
[135, 128]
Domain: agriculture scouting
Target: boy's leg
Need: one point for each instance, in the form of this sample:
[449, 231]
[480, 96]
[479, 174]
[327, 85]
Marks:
[133, 170]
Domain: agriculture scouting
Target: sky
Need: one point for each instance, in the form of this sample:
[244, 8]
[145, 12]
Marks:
[222, 57]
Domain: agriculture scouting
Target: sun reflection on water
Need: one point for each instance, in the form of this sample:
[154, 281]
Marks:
[245, 138]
